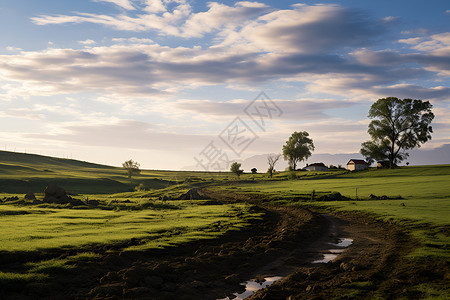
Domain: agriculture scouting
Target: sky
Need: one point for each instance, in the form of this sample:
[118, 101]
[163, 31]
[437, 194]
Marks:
[176, 83]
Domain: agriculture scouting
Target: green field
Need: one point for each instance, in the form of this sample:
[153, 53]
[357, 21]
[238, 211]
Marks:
[21, 173]
[37, 229]
[423, 207]
[143, 212]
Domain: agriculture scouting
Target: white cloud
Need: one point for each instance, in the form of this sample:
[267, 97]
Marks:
[87, 42]
[390, 19]
[133, 40]
[317, 45]
[161, 20]
[125, 4]
[436, 43]
[124, 134]
[21, 113]
[13, 49]
[306, 29]
[220, 16]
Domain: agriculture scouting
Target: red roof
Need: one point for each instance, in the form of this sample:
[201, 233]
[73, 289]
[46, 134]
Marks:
[358, 162]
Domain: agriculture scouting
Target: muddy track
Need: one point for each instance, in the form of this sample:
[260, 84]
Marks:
[284, 244]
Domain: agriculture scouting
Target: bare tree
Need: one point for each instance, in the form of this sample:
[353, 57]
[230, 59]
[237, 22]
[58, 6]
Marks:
[272, 160]
[132, 167]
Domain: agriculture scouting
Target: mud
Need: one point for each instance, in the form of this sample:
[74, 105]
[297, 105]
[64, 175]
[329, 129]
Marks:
[283, 244]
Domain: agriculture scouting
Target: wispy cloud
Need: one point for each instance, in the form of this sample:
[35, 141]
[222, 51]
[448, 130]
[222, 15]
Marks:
[125, 4]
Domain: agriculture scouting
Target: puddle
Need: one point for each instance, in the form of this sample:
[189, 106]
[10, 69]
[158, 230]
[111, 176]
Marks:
[333, 253]
[326, 259]
[252, 286]
[336, 250]
[343, 243]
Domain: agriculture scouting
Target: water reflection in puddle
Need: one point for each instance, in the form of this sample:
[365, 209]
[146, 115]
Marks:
[252, 286]
[343, 243]
[333, 253]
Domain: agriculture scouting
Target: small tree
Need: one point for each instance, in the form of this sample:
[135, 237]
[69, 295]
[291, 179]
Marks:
[272, 160]
[397, 125]
[235, 168]
[254, 171]
[132, 167]
[297, 148]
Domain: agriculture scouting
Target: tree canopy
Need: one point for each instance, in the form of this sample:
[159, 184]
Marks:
[297, 148]
[397, 125]
[235, 168]
[132, 167]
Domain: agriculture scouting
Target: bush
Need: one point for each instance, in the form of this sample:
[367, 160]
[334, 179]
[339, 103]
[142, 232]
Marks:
[335, 196]
[292, 175]
[141, 188]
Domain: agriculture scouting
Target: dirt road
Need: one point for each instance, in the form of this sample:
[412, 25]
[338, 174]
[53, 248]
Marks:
[284, 244]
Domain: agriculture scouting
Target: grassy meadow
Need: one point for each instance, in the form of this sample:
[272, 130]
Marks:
[21, 173]
[417, 197]
[142, 213]
[36, 229]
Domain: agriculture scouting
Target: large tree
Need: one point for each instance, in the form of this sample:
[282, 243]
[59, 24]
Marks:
[297, 148]
[397, 125]
[132, 167]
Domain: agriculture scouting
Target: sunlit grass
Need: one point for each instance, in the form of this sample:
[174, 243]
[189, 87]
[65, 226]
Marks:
[31, 229]
[9, 277]
[424, 208]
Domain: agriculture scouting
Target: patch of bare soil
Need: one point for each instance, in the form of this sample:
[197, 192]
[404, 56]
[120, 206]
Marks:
[374, 266]
[283, 244]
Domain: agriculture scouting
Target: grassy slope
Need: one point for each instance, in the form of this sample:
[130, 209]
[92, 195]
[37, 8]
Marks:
[21, 173]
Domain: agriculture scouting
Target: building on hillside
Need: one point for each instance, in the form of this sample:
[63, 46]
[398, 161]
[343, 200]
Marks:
[316, 167]
[383, 164]
[357, 165]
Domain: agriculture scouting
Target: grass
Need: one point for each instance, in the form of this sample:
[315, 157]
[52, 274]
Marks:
[8, 278]
[35, 229]
[421, 206]
[424, 208]
[21, 173]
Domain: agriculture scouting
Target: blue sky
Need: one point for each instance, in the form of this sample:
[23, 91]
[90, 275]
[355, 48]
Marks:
[159, 81]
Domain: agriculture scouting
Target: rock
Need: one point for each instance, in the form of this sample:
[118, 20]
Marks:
[192, 194]
[76, 202]
[30, 196]
[55, 191]
[56, 194]
[93, 202]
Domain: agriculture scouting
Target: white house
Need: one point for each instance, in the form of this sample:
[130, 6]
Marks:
[316, 167]
[357, 165]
